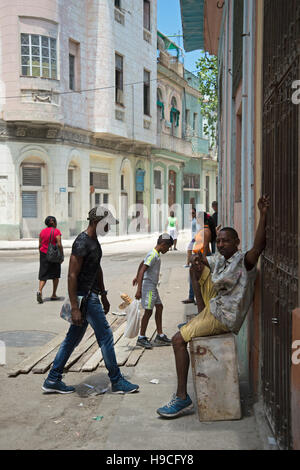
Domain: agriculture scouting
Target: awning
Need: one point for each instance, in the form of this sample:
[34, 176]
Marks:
[192, 18]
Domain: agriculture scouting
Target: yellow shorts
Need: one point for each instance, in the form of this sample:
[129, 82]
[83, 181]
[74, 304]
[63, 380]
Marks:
[204, 324]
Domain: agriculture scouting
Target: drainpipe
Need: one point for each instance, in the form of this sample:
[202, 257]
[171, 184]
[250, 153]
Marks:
[244, 153]
[250, 120]
[242, 339]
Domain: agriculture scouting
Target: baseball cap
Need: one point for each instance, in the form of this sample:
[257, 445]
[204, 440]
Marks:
[99, 213]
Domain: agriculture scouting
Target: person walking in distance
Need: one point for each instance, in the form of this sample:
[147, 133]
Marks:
[214, 205]
[48, 270]
[147, 280]
[224, 287]
[200, 243]
[85, 274]
[172, 228]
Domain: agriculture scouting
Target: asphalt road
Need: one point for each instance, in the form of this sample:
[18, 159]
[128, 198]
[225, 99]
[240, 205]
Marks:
[19, 310]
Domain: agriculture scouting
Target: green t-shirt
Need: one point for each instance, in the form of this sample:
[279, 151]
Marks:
[172, 221]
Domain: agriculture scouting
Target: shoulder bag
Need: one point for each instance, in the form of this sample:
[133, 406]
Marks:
[53, 253]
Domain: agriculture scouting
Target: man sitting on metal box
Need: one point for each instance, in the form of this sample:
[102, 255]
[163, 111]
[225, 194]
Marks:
[224, 287]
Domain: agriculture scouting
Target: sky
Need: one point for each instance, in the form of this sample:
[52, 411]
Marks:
[169, 23]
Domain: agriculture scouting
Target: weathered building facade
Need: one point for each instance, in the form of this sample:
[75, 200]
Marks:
[256, 42]
[183, 167]
[78, 85]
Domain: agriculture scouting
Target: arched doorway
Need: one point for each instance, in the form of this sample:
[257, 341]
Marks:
[33, 196]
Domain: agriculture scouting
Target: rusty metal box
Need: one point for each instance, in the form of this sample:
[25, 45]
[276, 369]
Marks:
[215, 375]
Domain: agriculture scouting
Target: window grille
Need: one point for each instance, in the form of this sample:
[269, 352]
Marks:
[29, 204]
[38, 56]
[99, 180]
[157, 179]
[31, 176]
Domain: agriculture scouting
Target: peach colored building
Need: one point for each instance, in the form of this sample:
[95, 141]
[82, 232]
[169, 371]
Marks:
[257, 48]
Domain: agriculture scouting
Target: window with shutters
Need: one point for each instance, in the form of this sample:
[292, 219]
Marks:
[146, 92]
[147, 15]
[29, 204]
[31, 176]
[99, 180]
[70, 204]
[71, 178]
[119, 79]
[38, 56]
[71, 72]
[191, 181]
[157, 179]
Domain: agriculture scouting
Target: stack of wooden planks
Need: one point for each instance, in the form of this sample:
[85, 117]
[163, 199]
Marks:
[87, 356]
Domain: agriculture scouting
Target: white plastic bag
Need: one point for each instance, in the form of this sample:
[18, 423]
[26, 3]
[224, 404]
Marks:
[133, 319]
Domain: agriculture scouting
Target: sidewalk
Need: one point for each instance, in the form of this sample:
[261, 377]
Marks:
[32, 244]
[66, 422]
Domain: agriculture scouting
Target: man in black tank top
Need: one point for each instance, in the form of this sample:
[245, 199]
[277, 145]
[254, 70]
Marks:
[85, 274]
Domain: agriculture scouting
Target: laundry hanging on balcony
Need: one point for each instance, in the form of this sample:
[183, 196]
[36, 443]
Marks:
[174, 116]
[162, 106]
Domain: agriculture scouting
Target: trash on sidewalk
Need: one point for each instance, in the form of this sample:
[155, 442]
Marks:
[120, 314]
[87, 390]
[98, 418]
[154, 381]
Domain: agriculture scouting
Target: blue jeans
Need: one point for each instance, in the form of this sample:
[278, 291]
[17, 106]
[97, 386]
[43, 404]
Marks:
[191, 291]
[96, 318]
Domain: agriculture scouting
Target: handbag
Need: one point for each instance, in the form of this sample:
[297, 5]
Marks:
[66, 309]
[53, 253]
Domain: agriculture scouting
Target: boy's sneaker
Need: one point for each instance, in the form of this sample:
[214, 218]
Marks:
[162, 341]
[175, 407]
[123, 386]
[144, 343]
[57, 387]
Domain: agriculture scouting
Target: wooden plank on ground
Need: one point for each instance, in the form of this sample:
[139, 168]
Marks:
[123, 349]
[136, 354]
[88, 340]
[93, 362]
[25, 366]
[117, 335]
[42, 366]
[77, 366]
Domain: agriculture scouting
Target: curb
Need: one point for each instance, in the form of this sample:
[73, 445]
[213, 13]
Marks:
[68, 243]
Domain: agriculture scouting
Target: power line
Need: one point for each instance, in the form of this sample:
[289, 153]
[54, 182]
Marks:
[87, 90]
[79, 91]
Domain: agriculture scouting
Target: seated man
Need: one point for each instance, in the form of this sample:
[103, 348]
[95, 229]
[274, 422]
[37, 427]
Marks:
[224, 286]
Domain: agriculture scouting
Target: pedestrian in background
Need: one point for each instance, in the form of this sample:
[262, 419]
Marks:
[49, 270]
[206, 232]
[194, 230]
[214, 205]
[172, 228]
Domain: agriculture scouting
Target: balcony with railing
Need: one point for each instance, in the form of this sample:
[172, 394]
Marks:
[173, 143]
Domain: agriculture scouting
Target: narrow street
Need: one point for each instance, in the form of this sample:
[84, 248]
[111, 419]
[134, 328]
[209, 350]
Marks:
[33, 420]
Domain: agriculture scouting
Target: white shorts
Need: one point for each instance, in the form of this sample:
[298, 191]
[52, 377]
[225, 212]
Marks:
[173, 233]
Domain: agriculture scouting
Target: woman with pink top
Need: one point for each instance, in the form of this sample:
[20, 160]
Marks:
[49, 270]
